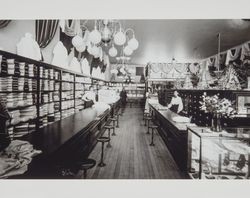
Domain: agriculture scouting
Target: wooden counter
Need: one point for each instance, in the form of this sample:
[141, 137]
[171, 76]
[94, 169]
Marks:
[65, 142]
[174, 134]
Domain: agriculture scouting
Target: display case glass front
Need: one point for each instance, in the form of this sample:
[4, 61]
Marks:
[213, 155]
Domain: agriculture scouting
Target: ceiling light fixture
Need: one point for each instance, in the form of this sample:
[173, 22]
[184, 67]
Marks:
[106, 33]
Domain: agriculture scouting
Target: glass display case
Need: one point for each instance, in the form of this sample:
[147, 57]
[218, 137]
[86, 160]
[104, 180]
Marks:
[213, 155]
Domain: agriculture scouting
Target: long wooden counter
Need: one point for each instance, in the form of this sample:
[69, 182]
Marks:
[64, 142]
[174, 134]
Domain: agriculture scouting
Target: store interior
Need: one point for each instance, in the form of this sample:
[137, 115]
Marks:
[125, 99]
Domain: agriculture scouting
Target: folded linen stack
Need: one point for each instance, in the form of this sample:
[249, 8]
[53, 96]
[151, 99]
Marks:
[22, 69]
[15, 115]
[15, 159]
[11, 66]
[51, 73]
[46, 73]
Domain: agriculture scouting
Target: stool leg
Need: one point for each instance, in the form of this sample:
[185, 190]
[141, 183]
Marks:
[84, 174]
[148, 127]
[152, 138]
[109, 145]
[117, 121]
[114, 134]
[101, 164]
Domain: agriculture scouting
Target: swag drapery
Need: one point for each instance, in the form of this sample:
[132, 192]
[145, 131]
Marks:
[45, 31]
[4, 23]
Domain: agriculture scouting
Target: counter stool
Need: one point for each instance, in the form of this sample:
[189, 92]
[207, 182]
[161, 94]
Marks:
[109, 127]
[147, 119]
[145, 114]
[113, 120]
[102, 140]
[152, 127]
[117, 121]
[85, 165]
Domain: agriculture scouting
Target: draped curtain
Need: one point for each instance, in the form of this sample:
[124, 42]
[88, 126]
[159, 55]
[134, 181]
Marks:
[245, 50]
[4, 23]
[233, 56]
[45, 31]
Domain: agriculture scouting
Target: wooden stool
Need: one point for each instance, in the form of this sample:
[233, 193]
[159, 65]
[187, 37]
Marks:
[153, 127]
[102, 140]
[85, 165]
[113, 120]
[109, 127]
[117, 121]
[145, 114]
[147, 119]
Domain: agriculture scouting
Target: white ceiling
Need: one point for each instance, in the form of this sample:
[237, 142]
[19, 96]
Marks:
[186, 40]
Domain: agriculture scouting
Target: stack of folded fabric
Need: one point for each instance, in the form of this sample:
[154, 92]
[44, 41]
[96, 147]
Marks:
[9, 83]
[3, 97]
[11, 66]
[28, 113]
[41, 72]
[10, 100]
[1, 58]
[45, 85]
[22, 69]
[57, 87]
[29, 98]
[51, 73]
[56, 96]
[15, 115]
[20, 83]
[51, 85]
[57, 116]
[20, 100]
[67, 77]
[50, 97]
[57, 75]
[15, 84]
[45, 98]
[21, 130]
[31, 70]
[46, 73]
[10, 131]
[3, 84]
[15, 159]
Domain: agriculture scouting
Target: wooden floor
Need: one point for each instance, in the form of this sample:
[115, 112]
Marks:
[131, 157]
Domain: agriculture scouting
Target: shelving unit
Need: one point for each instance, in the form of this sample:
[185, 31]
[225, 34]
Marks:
[134, 90]
[38, 94]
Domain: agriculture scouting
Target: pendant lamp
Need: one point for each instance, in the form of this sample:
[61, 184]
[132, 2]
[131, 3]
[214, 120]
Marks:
[113, 51]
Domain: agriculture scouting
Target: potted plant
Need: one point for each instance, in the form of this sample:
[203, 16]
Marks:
[218, 107]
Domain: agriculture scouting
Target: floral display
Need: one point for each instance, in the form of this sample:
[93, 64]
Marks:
[214, 104]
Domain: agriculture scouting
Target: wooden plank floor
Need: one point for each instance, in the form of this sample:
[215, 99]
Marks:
[131, 157]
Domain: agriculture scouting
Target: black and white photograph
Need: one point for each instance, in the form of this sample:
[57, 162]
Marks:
[111, 99]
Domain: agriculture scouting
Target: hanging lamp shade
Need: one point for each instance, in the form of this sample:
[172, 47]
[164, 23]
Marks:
[127, 51]
[100, 53]
[95, 51]
[119, 38]
[106, 35]
[89, 48]
[95, 36]
[81, 48]
[112, 51]
[133, 43]
[77, 41]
